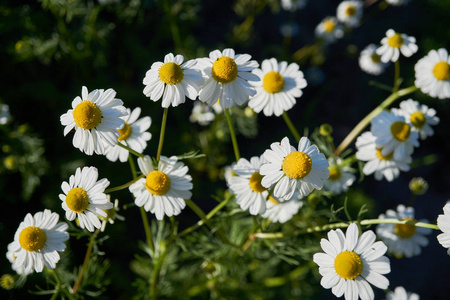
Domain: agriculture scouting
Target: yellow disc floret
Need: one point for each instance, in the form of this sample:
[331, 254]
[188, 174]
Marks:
[87, 115]
[441, 70]
[335, 173]
[384, 157]
[171, 73]
[125, 132]
[157, 183]
[396, 41]
[350, 10]
[375, 58]
[400, 131]
[272, 199]
[418, 119]
[405, 231]
[77, 200]
[255, 183]
[273, 82]
[224, 69]
[296, 165]
[32, 238]
[348, 265]
[329, 25]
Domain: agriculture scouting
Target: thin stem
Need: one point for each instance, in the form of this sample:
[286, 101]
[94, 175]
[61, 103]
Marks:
[291, 126]
[58, 284]
[233, 135]
[396, 75]
[123, 186]
[161, 136]
[364, 122]
[130, 150]
[86, 261]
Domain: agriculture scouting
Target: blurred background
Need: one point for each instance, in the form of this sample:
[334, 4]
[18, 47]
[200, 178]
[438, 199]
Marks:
[51, 48]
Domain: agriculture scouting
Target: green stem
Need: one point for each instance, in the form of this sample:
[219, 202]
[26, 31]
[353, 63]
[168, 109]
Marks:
[154, 278]
[130, 150]
[397, 75]
[161, 136]
[123, 186]
[364, 122]
[86, 261]
[233, 135]
[58, 284]
[291, 126]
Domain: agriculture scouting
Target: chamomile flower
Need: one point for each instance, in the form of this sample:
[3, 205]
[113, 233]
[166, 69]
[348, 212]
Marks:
[246, 185]
[84, 198]
[419, 116]
[401, 294]
[443, 222]
[163, 190]
[289, 169]
[279, 86]
[227, 77]
[11, 256]
[329, 30]
[293, 5]
[433, 74]
[378, 164]
[111, 214]
[340, 178]
[370, 62]
[133, 134]
[172, 80]
[37, 242]
[202, 114]
[393, 134]
[5, 116]
[279, 211]
[397, 2]
[395, 43]
[350, 12]
[229, 173]
[351, 263]
[402, 239]
[96, 117]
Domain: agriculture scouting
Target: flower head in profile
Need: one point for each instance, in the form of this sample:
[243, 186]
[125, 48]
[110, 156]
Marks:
[202, 114]
[280, 84]
[111, 214]
[133, 134]
[340, 178]
[163, 190]
[402, 239]
[288, 168]
[37, 242]
[96, 118]
[5, 116]
[84, 198]
[350, 12]
[433, 74]
[401, 294]
[172, 80]
[395, 43]
[443, 222]
[329, 30]
[419, 116]
[351, 263]
[370, 62]
[227, 77]
[280, 211]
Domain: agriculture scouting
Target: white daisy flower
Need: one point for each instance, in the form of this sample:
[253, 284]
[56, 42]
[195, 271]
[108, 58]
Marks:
[351, 263]
[202, 114]
[246, 185]
[282, 211]
[37, 242]
[111, 214]
[370, 62]
[329, 30]
[402, 239]
[96, 117]
[378, 164]
[163, 191]
[133, 134]
[293, 5]
[11, 256]
[393, 134]
[226, 77]
[419, 116]
[279, 86]
[289, 169]
[229, 173]
[172, 80]
[397, 2]
[84, 198]
[401, 294]
[350, 12]
[433, 74]
[5, 116]
[340, 178]
[394, 43]
[443, 222]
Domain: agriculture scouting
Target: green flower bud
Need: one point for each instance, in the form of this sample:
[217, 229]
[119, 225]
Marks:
[418, 186]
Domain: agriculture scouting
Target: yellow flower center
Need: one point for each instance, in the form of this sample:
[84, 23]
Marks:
[157, 183]
[441, 70]
[272, 199]
[375, 58]
[77, 200]
[273, 82]
[400, 131]
[224, 69]
[328, 25]
[350, 10]
[125, 132]
[405, 231]
[335, 173]
[32, 238]
[255, 183]
[418, 119]
[384, 157]
[395, 41]
[87, 115]
[348, 265]
[296, 165]
[171, 73]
